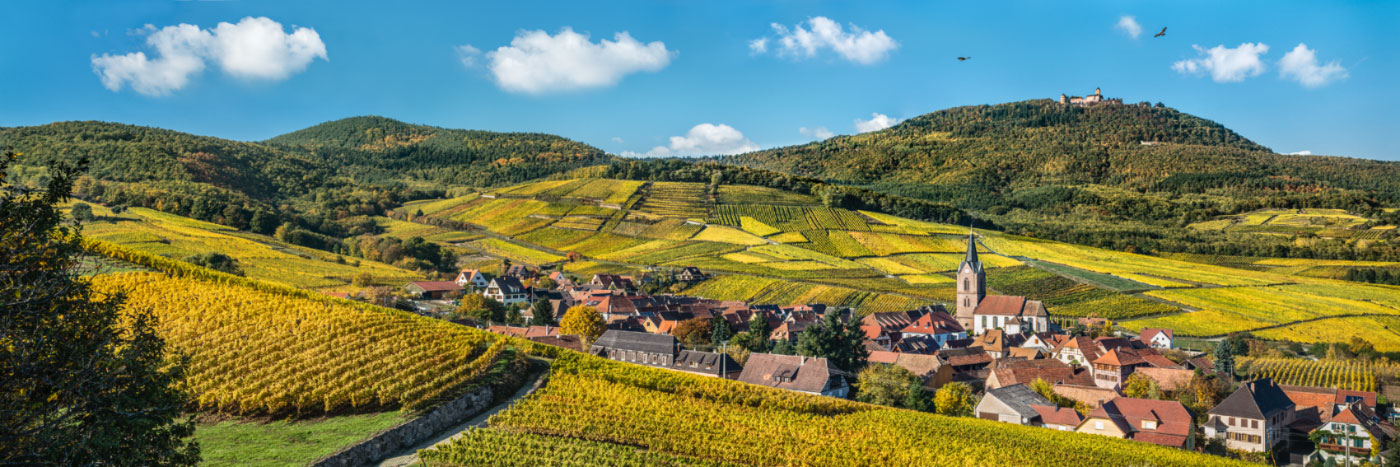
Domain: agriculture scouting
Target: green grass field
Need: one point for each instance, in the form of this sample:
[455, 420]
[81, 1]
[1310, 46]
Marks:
[285, 443]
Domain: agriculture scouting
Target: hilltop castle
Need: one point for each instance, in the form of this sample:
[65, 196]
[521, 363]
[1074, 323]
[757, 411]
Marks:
[1095, 98]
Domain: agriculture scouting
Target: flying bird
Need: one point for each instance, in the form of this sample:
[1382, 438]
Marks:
[963, 59]
[1163, 33]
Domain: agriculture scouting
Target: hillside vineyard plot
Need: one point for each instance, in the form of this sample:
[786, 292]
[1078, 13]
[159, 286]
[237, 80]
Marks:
[665, 413]
[254, 352]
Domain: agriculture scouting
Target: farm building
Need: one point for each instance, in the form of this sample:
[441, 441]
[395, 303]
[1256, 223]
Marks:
[432, 290]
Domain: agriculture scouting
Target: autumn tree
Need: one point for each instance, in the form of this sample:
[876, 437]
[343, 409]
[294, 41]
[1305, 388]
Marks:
[1141, 386]
[482, 308]
[954, 399]
[1047, 390]
[886, 384]
[84, 380]
[583, 321]
[693, 332]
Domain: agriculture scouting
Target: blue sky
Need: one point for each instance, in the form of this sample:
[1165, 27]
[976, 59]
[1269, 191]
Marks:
[687, 77]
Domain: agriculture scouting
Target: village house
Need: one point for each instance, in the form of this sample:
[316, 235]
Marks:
[883, 328]
[1011, 404]
[643, 348]
[1112, 369]
[521, 271]
[1156, 338]
[811, 375]
[997, 342]
[936, 325]
[562, 280]
[471, 278]
[715, 364]
[432, 290]
[612, 282]
[1012, 372]
[1058, 418]
[1079, 351]
[1253, 418]
[1165, 423]
[690, 274]
[507, 290]
[1346, 434]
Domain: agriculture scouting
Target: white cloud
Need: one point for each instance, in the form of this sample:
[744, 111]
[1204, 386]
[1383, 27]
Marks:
[758, 46]
[703, 140]
[254, 48]
[467, 54]
[617, 139]
[818, 133]
[821, 33]
[1225, 64]
[1129, 26]
[1300, 153]
[536, 62]
[878, 121]
[1300, 65]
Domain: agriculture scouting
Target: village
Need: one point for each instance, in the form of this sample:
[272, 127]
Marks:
[1011, 359]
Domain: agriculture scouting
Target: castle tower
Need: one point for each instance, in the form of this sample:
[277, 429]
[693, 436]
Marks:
[1098, 92]
[972, 283]
[1064, 99]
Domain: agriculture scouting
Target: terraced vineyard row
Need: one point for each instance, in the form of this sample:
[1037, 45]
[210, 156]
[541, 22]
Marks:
[502, 448]
[790, 218]
[1354, 375]
[676, 199]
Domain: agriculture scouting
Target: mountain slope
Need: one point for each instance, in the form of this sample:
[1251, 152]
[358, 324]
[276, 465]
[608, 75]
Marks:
[382, 149]
[1015, 146]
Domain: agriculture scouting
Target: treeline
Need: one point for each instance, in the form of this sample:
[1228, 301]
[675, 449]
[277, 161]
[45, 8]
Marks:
[1374, 276]
[832, 195]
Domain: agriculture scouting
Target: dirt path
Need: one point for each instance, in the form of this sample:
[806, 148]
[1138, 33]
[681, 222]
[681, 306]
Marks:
[410, 456]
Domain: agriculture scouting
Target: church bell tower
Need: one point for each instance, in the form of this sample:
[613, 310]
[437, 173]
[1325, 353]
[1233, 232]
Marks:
[972, 283]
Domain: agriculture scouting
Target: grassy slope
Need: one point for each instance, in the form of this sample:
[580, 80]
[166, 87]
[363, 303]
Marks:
[285, 442]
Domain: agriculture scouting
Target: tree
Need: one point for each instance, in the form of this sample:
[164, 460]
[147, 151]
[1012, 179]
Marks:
[81, 212]
[915, 397]
[783, 347]
[1047, 390]
[1141, 386]
[954, 399]
[719, 330]
[583, 321]
[694, 331]
[482, 308]
[749, 342]
[514, 317]
[1224, 359]
[216, 261]
[885, 384]
[543, 313]
[86, 379]
[758, 328]
[840, 342]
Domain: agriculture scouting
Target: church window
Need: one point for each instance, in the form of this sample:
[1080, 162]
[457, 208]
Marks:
[967, 285]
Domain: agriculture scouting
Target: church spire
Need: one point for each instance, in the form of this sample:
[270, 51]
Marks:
[972, 248]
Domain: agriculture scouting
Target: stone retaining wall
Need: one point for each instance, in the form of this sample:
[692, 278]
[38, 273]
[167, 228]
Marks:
[410, 433]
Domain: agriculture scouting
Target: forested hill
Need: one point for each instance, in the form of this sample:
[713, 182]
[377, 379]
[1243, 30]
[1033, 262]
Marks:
[350, 167]
[382, 148]
[969, 155]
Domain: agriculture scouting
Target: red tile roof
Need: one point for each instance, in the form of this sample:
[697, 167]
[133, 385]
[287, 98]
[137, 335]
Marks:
[1009, 305]
[1173, 422]
[933, 323]
[1050, 415]
[1149, 333]
[1116, 357]
[436, 286]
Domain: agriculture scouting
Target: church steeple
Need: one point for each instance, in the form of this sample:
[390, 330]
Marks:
[972, 250]
[972, 282]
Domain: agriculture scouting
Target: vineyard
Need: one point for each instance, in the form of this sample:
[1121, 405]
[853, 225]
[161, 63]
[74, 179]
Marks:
[655, 417]
[675, 199]
[259, 256]
[1355, 375]
[261, 353]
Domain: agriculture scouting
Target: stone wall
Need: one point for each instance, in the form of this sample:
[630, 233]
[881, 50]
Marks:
[410, 433]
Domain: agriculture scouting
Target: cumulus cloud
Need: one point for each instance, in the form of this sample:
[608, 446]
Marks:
[1301, 65]
[877, 121]
[254, 49]
[1301, 153]
[758, 46]
[818, 133]
[703, 140]
[1129, 26]
[617, 139]
[536, 62]
[821, 33]
[1225, 64]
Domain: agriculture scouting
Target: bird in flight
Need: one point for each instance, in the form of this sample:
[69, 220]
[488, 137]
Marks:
[1163, 33]
[963, 59]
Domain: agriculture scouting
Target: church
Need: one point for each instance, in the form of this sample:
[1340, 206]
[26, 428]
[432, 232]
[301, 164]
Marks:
[979, 313]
